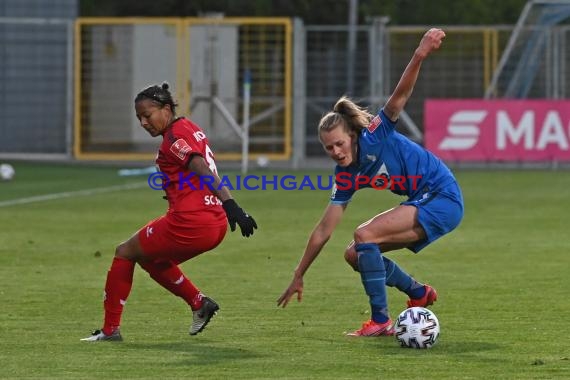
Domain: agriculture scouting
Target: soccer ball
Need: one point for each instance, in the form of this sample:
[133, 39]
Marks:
[417, 327]
[262, 161]
[7, 172]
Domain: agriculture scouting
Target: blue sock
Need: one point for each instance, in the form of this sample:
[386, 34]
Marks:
[373, 275]
[396, 277]
[416, 290]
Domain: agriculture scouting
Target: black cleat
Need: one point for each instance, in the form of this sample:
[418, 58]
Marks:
[202, 316]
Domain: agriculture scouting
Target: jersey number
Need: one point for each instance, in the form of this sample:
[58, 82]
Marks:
[210, 160]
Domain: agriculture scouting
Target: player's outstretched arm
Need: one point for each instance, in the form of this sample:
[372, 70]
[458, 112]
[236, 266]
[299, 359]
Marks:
[431, 41]
[317, 241]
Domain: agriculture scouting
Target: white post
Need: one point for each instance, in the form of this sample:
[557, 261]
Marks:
[351, 48]
[245, 127]
[69, 109]
[299, 93]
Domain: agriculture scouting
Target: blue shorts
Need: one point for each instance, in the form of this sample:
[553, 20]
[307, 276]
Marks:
[439, 212]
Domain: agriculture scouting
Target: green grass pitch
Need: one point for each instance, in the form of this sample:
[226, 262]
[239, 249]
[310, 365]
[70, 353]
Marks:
[502, 279]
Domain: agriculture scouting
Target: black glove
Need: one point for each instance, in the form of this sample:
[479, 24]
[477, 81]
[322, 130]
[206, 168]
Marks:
[237, 215]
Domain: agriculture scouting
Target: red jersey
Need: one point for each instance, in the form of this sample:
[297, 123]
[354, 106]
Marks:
[188, 195]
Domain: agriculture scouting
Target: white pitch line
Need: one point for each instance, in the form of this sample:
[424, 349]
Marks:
[71, 194]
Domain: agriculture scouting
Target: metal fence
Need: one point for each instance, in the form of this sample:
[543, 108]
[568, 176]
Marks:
[533, 63]
[461, 69]
[205, 60]
[298, 71]
[36, 50]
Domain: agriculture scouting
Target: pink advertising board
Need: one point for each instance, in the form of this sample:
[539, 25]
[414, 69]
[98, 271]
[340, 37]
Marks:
[498, 130]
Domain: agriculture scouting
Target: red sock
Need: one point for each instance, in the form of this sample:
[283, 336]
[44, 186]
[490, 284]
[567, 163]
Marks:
[117, 289]
[169, 275]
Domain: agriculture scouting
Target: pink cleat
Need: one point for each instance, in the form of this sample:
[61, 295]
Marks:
[428, 299]
[371, 328]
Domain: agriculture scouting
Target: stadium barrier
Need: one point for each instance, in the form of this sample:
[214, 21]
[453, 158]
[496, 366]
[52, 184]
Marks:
[498, 130]
[298, 71]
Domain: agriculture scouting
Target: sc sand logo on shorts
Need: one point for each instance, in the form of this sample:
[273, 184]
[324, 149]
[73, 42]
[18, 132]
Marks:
[180, 148]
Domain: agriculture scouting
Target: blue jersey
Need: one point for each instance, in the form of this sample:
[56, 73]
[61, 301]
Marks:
[388, 160]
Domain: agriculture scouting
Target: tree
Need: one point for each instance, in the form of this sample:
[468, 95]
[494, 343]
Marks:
[400, 12]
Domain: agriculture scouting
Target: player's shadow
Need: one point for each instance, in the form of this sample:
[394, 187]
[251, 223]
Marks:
[468, 347]
[449, 348]
[197, 353]
[389, 346]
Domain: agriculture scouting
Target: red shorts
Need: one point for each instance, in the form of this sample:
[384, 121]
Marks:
[169, 238]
